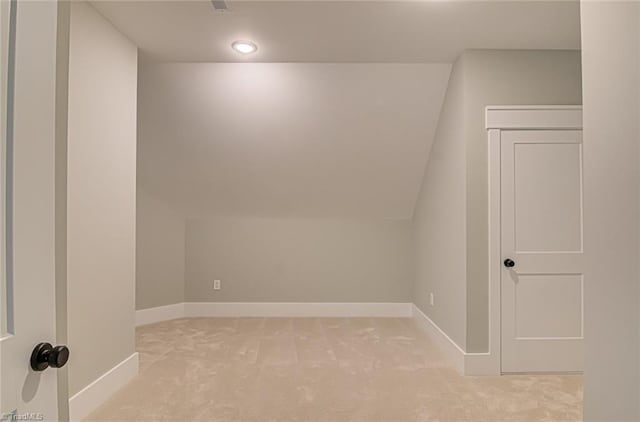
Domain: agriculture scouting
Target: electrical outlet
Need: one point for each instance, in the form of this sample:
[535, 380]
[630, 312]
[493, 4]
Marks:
[216, 285]
[431, 299]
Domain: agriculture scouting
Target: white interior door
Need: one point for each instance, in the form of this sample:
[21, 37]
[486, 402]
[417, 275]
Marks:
[542, 293]
[27, 179]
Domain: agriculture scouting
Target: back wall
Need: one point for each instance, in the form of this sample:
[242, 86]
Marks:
[298, 260]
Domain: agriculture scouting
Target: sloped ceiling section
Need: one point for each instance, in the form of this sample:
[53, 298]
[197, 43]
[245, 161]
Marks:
[288, 140]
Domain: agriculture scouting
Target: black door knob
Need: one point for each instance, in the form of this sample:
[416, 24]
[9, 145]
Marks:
[44, 355]
[509, 263]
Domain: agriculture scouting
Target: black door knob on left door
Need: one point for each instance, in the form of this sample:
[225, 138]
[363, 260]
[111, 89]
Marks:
[509, 263]
[45, 355]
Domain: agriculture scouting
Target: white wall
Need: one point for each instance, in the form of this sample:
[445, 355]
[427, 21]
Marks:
[439, 219]
[298, 260]
[160, 243]
[315, 158]
[101, 196]
[611, 72]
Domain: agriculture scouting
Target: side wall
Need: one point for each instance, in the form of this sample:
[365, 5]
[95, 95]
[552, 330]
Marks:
[439, 219]
[501, 77]
[160, 243]
[298, 260]
[611, 64]
[101, 196]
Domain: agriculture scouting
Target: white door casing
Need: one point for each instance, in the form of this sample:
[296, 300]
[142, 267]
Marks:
[500, 119]
[542, 295]
[30, 183]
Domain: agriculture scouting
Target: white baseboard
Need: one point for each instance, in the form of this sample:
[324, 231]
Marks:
[465, 363]
[482, 364]
[452, 352]
[93, 395]
[160, 313]
[272, 309]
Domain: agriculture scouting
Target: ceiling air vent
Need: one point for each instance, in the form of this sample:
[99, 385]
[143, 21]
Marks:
[219, 5]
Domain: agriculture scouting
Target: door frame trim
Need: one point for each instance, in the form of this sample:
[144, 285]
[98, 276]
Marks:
[497, 119]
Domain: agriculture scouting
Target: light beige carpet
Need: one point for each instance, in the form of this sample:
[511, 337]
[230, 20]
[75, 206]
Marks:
[320, 369]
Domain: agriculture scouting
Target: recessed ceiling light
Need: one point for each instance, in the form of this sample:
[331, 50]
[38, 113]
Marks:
[244, 47]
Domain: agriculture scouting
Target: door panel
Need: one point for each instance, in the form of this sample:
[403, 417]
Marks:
[547, 187]
[542, 295]
[29, 181]
[548, 306]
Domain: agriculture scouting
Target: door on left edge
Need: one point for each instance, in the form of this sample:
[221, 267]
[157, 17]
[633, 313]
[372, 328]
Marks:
[27, 184]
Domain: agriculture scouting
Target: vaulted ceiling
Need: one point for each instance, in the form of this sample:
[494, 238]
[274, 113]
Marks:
[332, 117]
